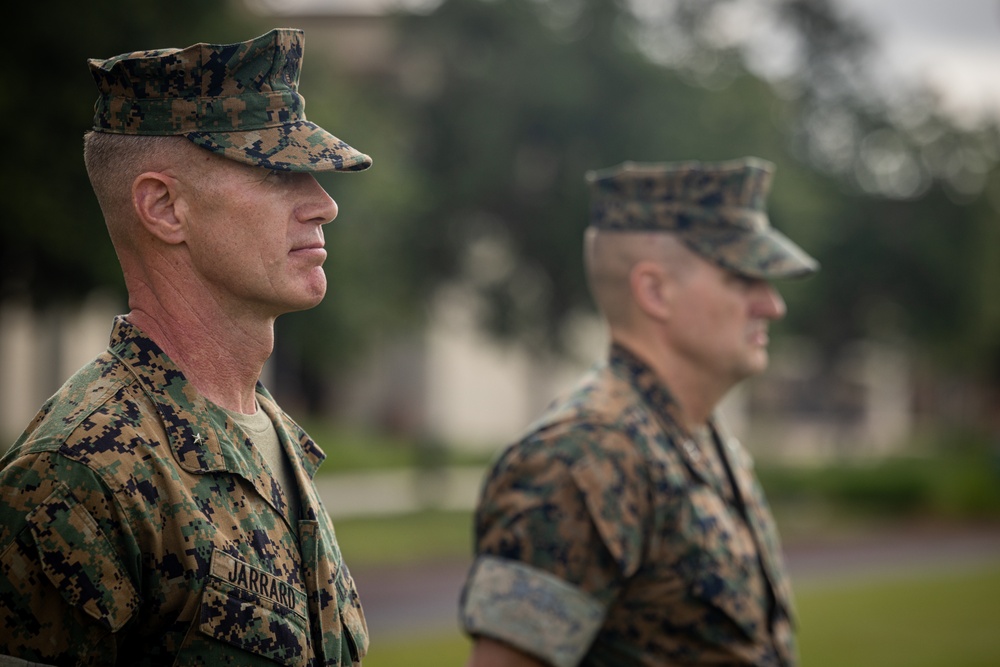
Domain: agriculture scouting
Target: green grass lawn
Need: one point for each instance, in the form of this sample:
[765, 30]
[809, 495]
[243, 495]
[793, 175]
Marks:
[447, 650]
[351, 449]
[939, 620]
[417, 537]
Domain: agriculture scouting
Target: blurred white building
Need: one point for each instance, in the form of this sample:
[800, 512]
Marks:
[456, 386]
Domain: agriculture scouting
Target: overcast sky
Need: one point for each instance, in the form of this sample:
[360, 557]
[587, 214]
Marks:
[954, 45]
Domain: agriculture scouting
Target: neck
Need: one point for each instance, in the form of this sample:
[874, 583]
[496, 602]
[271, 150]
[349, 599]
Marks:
[222, 357]
[696, 395]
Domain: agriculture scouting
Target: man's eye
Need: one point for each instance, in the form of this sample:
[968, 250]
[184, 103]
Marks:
[275, 176]
[744, 281]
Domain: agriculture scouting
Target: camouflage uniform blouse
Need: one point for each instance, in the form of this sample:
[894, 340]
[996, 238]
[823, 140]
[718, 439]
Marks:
[139, 526]
[607, 537]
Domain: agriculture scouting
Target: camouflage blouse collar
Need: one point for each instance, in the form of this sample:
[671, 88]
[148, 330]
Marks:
[196, 426]
[642, 377]
[697, 455]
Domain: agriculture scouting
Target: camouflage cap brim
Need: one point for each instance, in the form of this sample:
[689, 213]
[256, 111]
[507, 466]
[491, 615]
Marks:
[765, 254]
[239, 100]
[299, 146]
[718, 209]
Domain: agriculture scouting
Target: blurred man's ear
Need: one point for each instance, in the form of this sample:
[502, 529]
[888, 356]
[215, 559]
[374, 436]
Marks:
[652, 289]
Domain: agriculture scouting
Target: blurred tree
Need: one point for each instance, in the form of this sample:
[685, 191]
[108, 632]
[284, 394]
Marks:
[482, 125]
[511, 102]
[492, 111]
[911, 196]
[504, 104]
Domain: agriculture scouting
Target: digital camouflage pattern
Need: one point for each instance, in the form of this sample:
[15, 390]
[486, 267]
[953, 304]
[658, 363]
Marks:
[718, 209]
[239, 100]
[140, 526]
[609, 527]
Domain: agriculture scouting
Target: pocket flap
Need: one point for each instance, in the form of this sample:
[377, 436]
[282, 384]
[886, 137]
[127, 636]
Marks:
[244, 617]
[80, 561]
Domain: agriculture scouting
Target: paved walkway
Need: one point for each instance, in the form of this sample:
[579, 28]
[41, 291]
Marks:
[415, 600]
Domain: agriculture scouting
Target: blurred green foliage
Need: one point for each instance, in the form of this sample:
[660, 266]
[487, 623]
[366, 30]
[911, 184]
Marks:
[482, 118]
[351, 449]
[966, 488]
[958, 479]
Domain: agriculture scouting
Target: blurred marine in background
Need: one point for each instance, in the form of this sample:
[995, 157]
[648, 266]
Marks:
[627, 527]
[160, 508]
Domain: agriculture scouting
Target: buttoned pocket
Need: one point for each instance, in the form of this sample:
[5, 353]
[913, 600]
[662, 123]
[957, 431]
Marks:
[79, 560]
[245, 607]
[722, 567]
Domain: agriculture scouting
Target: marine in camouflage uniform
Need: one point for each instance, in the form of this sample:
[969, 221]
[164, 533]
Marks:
[139, 524]
[613, 534]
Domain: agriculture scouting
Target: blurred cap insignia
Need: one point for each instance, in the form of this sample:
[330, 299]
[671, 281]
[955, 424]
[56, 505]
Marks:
[718, 209]
[239, 100]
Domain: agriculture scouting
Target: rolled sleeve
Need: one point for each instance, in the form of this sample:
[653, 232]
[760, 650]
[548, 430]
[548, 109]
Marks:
[531, 609]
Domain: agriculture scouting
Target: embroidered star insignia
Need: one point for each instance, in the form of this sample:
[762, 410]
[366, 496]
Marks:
[692, 450]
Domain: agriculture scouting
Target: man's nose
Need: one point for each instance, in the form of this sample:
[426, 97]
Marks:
[319, 207]
[769, 303]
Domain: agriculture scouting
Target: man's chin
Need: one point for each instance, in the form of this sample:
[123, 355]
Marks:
[314, 291]
[309, 304]
[306, 300]
[757, 363]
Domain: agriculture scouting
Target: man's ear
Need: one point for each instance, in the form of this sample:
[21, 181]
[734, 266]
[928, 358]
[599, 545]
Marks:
[652, 289]
[159, 206]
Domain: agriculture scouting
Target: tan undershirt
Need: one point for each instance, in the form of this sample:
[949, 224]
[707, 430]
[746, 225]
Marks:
[265, 438]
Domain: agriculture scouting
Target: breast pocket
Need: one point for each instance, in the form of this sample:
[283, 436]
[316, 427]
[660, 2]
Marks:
[246, 608]
[722, 568]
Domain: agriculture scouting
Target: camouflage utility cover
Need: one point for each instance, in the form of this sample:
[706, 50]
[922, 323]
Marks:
[718, 209]
[140, 526]
[609, 536]
[240, 100]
